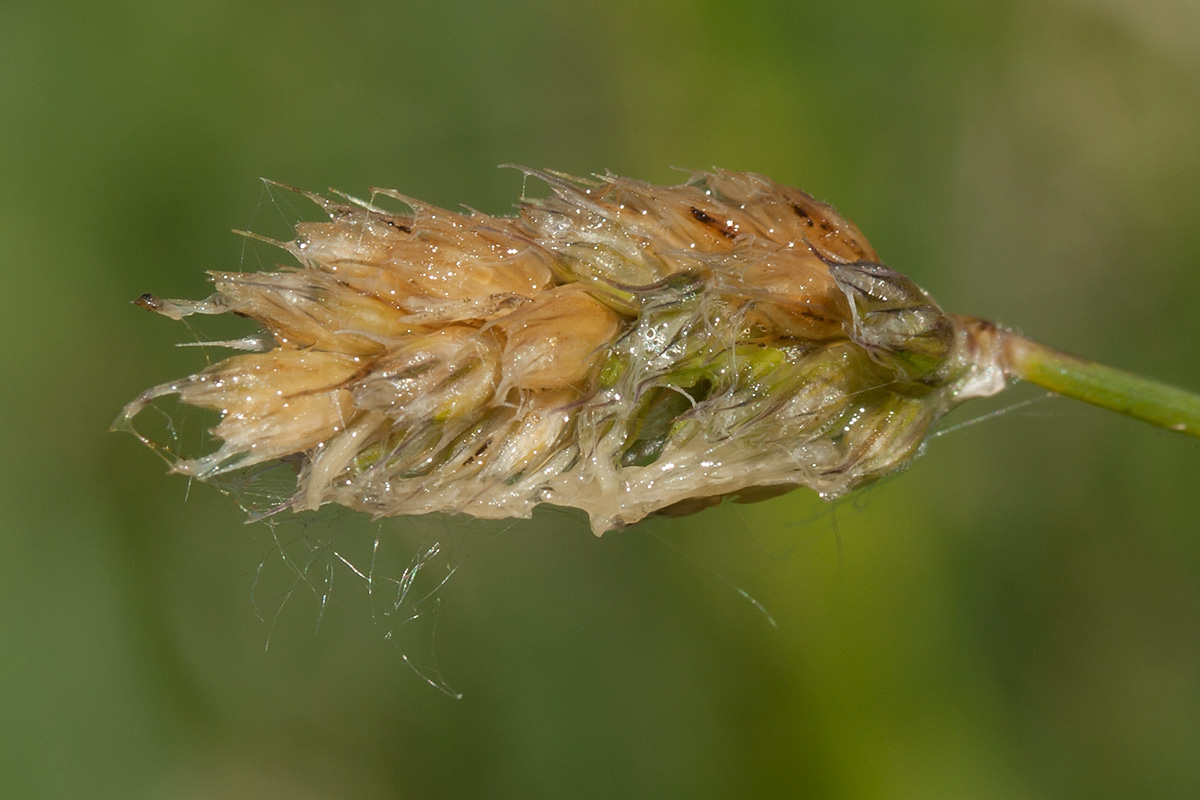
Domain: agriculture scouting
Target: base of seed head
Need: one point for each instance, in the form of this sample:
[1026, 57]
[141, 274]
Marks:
[618, 347]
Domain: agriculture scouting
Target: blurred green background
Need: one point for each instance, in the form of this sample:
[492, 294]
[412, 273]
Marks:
[1016, 616]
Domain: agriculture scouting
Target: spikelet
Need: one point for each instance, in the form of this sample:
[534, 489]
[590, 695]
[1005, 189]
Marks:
[618, 347]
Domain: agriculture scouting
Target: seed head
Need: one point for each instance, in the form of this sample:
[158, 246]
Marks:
[618, 347]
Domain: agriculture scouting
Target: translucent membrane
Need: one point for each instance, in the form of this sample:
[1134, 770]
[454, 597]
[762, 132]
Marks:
[618, 347]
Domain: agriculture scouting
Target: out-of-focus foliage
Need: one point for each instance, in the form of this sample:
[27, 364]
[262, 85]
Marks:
[1018, 615]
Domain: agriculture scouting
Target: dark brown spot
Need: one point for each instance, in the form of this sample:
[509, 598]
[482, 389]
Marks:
[802, 214]
[812, 316]
[478, 453]
[148, 302]
[709, 222]
[854, 247]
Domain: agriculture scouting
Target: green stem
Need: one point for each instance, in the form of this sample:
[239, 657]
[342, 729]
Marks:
[1141, 398]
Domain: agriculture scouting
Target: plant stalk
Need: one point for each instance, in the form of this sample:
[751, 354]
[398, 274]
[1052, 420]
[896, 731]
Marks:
[1152, 401]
